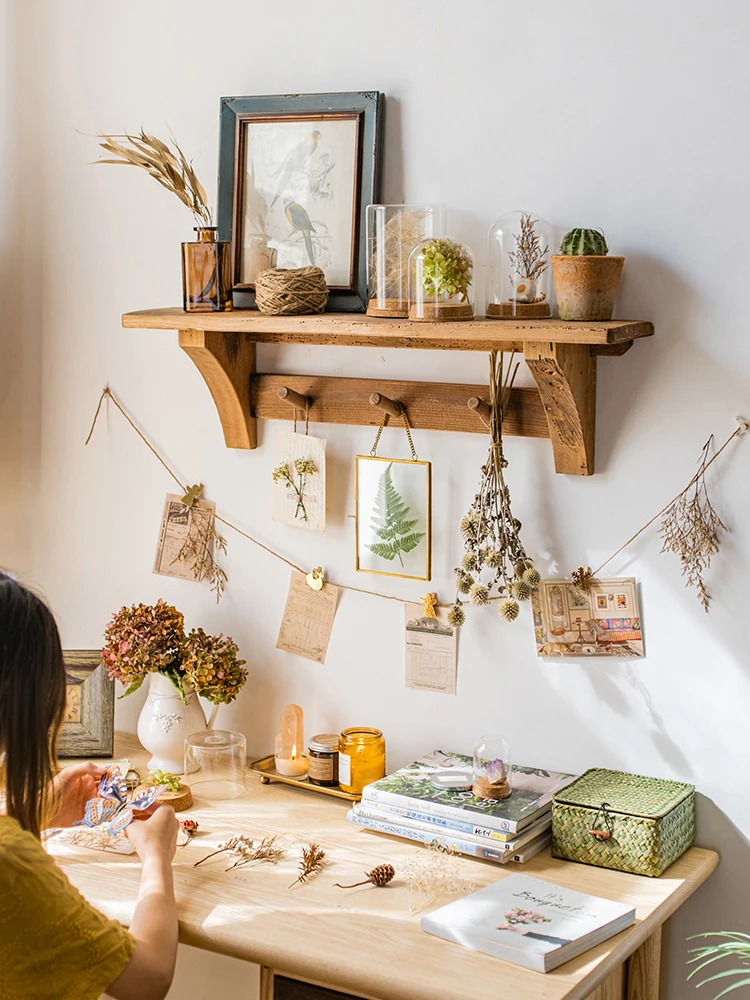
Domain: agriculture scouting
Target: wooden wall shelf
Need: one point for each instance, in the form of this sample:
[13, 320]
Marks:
[561, 357]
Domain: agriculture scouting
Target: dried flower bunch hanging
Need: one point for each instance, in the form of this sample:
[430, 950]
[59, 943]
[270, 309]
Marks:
[146, 639]
[690, 528]
[311, 863]
[491, 534]
[303, 467]
[528, 260]
[168, 167]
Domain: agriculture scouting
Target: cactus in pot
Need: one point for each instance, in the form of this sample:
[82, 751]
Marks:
[584, 243]
[586, 277]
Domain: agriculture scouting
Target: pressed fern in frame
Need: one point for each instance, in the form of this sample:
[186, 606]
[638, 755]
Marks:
[390, 527]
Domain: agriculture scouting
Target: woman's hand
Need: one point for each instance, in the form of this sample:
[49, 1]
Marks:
[156, 835]
[71, 790]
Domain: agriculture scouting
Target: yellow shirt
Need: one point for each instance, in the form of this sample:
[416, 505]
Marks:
[53, 944]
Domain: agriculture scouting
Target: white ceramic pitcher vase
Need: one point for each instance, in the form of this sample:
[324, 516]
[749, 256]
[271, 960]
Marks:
[166, 720]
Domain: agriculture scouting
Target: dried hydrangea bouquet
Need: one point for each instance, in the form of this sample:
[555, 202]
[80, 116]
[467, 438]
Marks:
[494, 557]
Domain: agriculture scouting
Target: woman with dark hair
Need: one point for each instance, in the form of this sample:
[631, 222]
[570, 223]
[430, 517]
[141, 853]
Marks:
[54, 945]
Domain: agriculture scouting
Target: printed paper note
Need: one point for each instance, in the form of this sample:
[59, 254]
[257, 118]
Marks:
[299, 490]
[431, 647]
[177, 522]
[308, 619]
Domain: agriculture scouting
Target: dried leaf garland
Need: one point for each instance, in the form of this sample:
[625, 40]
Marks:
[491, 533]
[169, 168]
[690, 528]
[312, 862]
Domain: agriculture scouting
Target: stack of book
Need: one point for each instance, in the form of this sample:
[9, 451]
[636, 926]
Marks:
[408, 804]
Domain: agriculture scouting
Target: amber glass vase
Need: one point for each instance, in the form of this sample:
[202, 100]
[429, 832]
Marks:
[206, 272]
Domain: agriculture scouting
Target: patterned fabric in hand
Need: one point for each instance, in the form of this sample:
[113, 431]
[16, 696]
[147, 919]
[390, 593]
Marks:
[53, 944]
[112, 810]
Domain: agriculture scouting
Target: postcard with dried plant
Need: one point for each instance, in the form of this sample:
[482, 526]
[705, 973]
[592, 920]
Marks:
[180, 526]
[299, 480]
[602, 621]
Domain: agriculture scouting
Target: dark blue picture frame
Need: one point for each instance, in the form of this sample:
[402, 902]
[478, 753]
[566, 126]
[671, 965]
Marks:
[234, 111]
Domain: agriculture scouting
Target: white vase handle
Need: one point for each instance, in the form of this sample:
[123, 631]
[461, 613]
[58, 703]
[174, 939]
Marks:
[212, 719]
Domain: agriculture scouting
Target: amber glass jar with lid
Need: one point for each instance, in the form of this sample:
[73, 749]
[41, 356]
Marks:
[361, 758]
[323, 760]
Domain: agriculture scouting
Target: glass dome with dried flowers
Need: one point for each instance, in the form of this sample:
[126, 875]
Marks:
[392, 233]
[519, 267]
[150, 641]
[441, 278]
[206, 262]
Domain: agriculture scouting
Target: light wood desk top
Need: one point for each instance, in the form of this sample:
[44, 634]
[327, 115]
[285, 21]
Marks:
[363, 940]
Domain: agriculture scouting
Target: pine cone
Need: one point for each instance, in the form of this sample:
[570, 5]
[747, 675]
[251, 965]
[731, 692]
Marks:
[509, 610]
[381, 875]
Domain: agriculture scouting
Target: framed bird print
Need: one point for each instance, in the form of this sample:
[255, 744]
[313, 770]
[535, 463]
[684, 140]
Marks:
[296, 174]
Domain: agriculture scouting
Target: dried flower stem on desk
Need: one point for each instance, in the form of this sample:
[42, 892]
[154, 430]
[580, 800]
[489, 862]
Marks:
[432, 875]
[491, 533]
[239, 846]
[268, 850]
[312, 862]
[690, 529]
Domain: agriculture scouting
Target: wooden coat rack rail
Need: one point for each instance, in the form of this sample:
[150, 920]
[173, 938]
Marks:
[561, 356]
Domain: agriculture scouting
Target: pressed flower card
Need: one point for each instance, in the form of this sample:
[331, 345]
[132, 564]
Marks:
[299, 480]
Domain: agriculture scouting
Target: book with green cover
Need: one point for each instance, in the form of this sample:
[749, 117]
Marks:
[532, 791]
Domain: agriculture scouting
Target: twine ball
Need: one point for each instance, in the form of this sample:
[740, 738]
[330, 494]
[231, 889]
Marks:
[279, 292]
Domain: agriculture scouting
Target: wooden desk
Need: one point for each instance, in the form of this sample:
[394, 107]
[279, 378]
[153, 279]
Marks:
[363, 941]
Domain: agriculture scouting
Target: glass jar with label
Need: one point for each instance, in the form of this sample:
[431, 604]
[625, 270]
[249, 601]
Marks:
[323, 760]
[361, 758]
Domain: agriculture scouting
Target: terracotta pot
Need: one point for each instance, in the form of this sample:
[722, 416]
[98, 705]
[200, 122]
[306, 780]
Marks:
[586, 286]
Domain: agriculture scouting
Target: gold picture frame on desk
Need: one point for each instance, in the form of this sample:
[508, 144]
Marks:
[89, 719]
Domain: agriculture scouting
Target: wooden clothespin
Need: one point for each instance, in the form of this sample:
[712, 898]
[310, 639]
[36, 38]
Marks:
[429, 601]
[315, 579]
[193, 494]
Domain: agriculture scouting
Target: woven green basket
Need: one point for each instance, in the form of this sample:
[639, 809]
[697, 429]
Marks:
[625, 821]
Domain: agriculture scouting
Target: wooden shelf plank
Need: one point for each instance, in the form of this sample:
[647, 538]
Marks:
[429, 405]
[354, 330]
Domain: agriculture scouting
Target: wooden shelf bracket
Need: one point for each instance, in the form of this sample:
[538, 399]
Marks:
[226, 361]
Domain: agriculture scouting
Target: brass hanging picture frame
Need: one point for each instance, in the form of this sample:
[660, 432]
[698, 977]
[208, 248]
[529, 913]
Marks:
[393, 513]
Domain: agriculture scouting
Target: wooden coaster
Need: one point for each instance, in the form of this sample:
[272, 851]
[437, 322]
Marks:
[518, 310]
[179, 800]
[442, 312]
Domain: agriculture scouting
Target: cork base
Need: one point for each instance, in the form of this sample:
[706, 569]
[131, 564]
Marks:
[442, 312]
[518, 310]
[178, 800]
[483, 788]
[395, 308]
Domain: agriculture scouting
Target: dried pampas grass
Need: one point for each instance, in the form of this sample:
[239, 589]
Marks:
[170, 169]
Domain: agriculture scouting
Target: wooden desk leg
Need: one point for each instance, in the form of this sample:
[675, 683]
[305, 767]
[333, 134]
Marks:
[643, 969]
[266, 983]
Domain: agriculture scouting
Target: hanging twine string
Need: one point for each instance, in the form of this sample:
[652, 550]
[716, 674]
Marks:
[109, 395]
[743, 426]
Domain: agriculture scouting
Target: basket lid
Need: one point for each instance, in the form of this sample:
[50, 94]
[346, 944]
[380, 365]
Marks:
[631, 794]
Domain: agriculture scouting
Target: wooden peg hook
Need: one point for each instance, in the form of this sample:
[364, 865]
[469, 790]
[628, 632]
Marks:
[295, 399]
[390, 406]
[479, 406]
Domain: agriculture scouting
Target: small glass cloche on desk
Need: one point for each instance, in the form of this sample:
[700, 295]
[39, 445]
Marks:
[493, 769]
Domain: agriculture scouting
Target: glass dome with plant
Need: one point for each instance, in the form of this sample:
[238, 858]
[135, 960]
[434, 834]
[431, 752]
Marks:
[519, 267]
[392, 233]
[441, 276]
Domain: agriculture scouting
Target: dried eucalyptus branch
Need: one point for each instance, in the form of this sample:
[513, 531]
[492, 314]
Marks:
[690, 528]
[312, 862]
[169, 168]
[491, 533]
[201, 542]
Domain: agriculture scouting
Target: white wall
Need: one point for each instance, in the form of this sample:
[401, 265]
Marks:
[625, 116]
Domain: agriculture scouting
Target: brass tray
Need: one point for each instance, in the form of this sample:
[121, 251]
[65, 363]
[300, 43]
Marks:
[264, 766]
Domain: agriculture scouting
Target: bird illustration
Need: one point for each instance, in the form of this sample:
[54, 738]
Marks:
[294, 161]
[300, 222]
